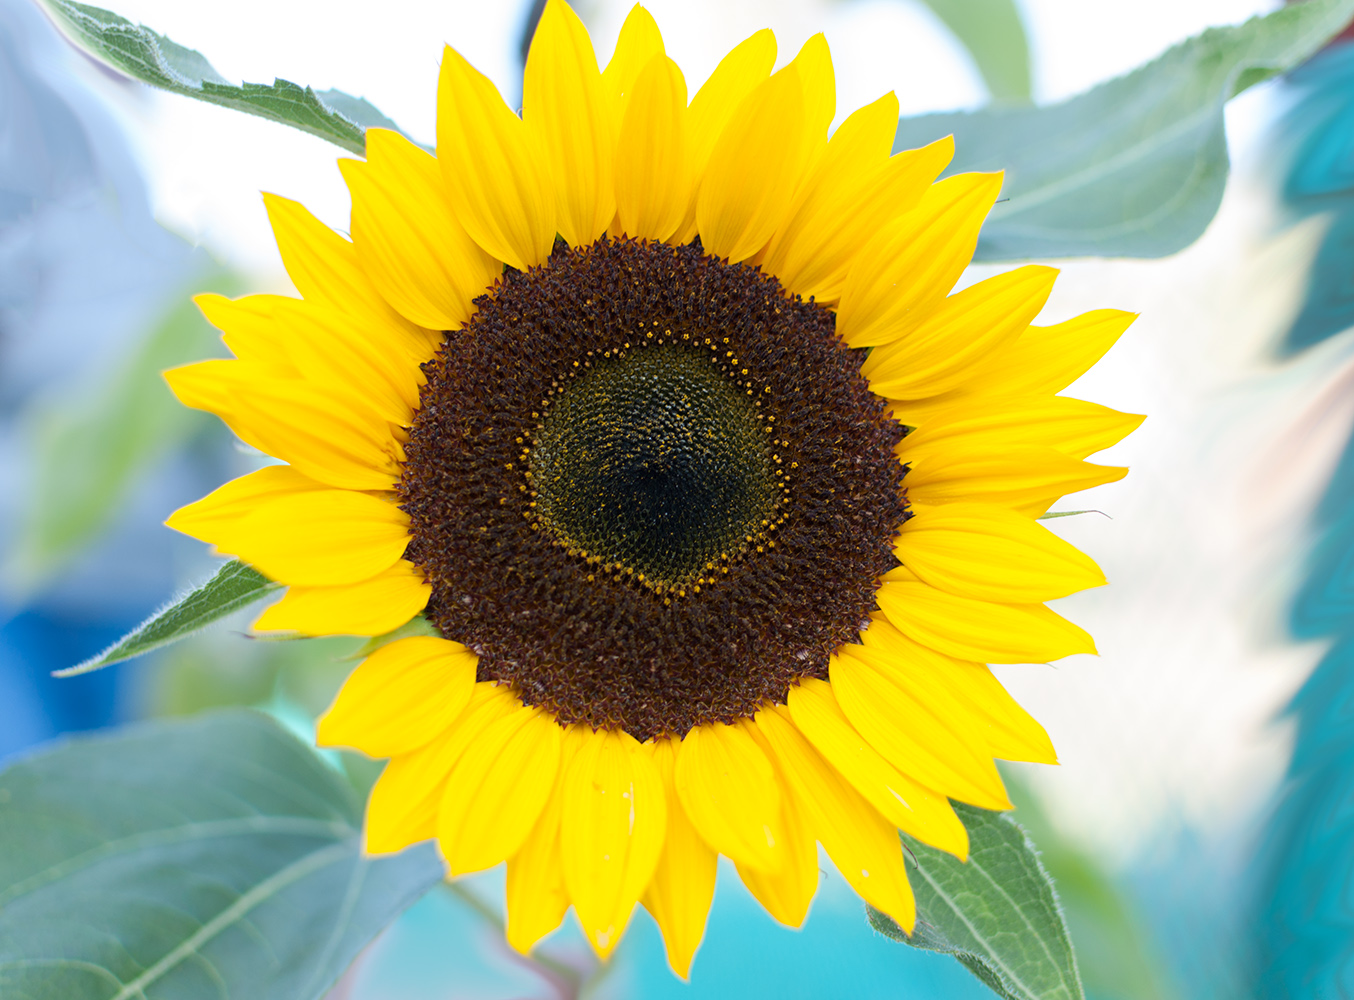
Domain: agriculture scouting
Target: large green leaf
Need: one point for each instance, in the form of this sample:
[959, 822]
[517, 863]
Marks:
[992, 32]
[152, 58]
[1136, 166]
[234, 586]
[997, 913]
[90, 447]
[213, 857]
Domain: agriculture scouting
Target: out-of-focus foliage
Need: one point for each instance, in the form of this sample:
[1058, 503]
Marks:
[997, 912]
[155, 59]
[992, 32]
[1303, 942]
[234, 586]
[1314, 157]
[91, 449]
[214, 856]
[1134, 167]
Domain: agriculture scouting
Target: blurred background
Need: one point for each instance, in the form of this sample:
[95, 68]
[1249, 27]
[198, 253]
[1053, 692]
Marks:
[1199, 826]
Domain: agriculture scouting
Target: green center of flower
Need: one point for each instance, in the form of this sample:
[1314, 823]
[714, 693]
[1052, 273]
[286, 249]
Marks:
[657, 464]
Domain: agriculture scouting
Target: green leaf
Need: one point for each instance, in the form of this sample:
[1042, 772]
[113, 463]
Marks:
[997, 913]
[1136, 166]
[234, 586]
[154, 59]
[1117, 955]
[91, 447]
[1050, 515]
[992, 32]
[213, 857]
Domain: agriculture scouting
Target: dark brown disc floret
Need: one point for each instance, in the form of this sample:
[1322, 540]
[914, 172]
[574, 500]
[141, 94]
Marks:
[649, 488]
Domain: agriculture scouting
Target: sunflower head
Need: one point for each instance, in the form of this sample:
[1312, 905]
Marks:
[662, 413]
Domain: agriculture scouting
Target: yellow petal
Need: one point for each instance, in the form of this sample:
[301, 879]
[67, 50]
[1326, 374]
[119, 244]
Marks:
[402, 808]
[940, 352]
[906, 804]
[497, 790]
[325, 268]
[754, 169]
[981, 551]
[368, 607]
[683, 884]
[979, 630]
[739, 73]
[1010, 732]
[615, 816]
[494, 167]
[854, 190]
[861, 843]
[315, 340]
[1025, 479]
[653, 188]
[565, 104]
[814, 65]
[787, 893]
[941, 749]
[1047, 359]
[1050, 358]
[636, 47]
[329, 434]
[910, 266]
[962, 692]
[729, 792]
[1071, 426]
[329, 350]
[537, 897]
[321, 537]
[247, 326]
[219, 513]
[401, 697]
[410, 244]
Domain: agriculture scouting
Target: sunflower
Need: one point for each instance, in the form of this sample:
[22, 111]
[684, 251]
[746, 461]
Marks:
[662, 414]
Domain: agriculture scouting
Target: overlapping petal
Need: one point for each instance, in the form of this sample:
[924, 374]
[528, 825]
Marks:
[972, 629]
[728, 789]
[906, 271]
[982, 551]
[1027, 479]
[537, 897]
[403, 805]
[612, 830]
[653, 182]
[914, 733]
[408, 239]
[908, 805]
[566, 105]
[494, 166]
[402, 697]
[508, 772]
[369, 607]
[939, 353]
[861, 843]
[683, 884]
[330, 434]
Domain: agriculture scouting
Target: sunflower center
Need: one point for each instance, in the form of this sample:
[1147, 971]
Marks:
[649, 488]
[655, 463]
